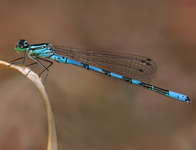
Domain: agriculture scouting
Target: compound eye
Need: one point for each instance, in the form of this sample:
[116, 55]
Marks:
[23, 44]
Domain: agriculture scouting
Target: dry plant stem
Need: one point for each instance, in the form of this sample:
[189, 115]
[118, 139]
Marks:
[52, 139]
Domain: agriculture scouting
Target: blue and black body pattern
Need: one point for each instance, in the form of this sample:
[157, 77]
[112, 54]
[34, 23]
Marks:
[168, 93]
[130, 68]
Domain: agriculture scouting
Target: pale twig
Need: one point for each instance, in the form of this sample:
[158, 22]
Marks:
[52, 139]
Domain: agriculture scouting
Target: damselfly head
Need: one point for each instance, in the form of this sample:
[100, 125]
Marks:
[21, 46]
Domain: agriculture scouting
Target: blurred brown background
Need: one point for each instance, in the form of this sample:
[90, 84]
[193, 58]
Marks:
[92, 112]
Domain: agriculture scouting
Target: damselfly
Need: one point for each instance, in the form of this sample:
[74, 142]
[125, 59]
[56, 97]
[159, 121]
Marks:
[130, 68]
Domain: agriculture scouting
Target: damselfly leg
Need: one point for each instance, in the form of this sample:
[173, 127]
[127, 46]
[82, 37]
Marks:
[39, 63]
[13, 61]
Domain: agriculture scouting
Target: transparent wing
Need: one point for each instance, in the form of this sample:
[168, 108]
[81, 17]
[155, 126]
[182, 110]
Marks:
[128, 65]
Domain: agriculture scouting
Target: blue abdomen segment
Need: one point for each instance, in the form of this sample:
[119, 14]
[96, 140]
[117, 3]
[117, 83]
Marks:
[59, 58]
[116, 76]
[179, 96]
[136, 82]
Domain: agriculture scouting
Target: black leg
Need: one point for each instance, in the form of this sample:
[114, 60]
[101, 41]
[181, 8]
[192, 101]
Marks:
[33, 68]
[36, 62]
[39, 63]
[13, 61]
[51, 63]
[31, 64]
